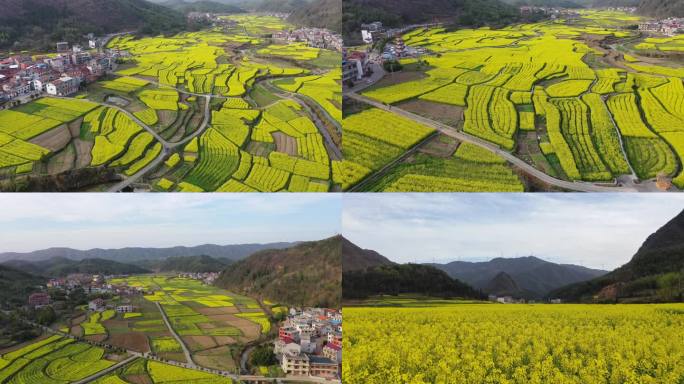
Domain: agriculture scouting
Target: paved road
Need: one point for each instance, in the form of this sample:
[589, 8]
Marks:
[186, 351]
[156, 162]
[106, 371]
[527, 168]
[378, 74]
[319, 124]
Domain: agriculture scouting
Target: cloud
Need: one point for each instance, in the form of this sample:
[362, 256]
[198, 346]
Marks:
[596, 230]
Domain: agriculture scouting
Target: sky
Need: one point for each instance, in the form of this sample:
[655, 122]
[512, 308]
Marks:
[593, 230]
[83, 221]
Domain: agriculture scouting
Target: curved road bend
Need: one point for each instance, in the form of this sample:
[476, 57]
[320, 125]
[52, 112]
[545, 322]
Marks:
[167, 148]
[527, 168]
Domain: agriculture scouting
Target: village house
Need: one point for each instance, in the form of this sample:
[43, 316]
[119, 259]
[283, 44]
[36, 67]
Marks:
[323, 367]
[297, 365]
[333, 352]
[96, 305]
[39, 300]
[126, 308]
[65, 86]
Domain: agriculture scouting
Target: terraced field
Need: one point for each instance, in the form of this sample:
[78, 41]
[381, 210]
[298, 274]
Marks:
[52, 359]
[59, 360]
[593, 121]
[161, 91]
[210, 321]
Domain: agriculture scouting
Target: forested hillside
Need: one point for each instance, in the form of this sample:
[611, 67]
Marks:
[38, 24]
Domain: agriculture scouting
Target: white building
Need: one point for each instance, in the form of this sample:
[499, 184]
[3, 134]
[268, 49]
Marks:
[96, 305]
[65, 86]
[124, 308]
[297, 365]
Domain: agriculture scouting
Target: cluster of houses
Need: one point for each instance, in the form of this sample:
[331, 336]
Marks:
[24, 77]
[310, 343]
[207, 278]
[669, 27]
[514, 300]
[314, 37]
[91, 284]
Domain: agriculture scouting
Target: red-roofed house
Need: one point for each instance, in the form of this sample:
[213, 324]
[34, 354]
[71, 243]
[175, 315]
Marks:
[39, 299]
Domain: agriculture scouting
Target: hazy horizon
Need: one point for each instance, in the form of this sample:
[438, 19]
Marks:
[32, 222]
[601, 231]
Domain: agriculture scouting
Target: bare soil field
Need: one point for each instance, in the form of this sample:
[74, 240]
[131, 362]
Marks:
[83, 155]
[54, 139]
[62, 161]
[440, 146]
[451, 115]
[286, 144]
[136, 341]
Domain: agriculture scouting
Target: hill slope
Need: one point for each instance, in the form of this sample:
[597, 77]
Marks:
[403, 12]
[398, 279]
[39, 23]
[308, 274]
[16, 286]
[320, 13]
[661, 8]
[502, 285]
[655, 272]
[531, 274]
[192, 264]
[61, 267]
[367, 273]
[134, 254]
[202, 6]
[355, 258]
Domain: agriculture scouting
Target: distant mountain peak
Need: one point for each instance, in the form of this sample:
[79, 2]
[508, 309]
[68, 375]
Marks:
[356, 258]
[502, 284]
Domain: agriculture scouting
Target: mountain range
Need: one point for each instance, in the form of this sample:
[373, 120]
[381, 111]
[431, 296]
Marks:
[135, 254]
[396, 13]
[655, 272]
[534, 277]
[307, 274]
[62, 266]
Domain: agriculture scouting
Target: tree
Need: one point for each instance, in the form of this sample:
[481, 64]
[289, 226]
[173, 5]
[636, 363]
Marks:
[263, 356]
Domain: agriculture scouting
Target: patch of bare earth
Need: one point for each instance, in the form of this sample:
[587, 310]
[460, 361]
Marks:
[63, 161]
[448, 114]
[75, 127]
[284, 143]
[206, 326]
[440, 146]
[166, 118]
[399, 77]
[97, 338]
[224, 340]
[54, 139]
[83, 155]
[136, 341]
[139, 379]
[77, 331]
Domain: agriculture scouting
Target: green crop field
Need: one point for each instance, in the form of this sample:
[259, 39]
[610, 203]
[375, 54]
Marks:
[594, 121]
